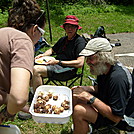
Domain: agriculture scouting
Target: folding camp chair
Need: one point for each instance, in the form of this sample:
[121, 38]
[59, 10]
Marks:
[69, 82]
[93, 80]
[106, 130]
[113, 129]
[40, 44]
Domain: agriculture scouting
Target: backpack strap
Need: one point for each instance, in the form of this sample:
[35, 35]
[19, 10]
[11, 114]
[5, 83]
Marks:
[129, 79]
[130, 119]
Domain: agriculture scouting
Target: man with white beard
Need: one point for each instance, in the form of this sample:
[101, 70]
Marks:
[107, 102]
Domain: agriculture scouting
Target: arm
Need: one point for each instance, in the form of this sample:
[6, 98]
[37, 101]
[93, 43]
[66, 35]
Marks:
[47, 53]
[105, 110]
[73, 63]
[90, 89]
[78, 63]
[18, 96]
[101, 107]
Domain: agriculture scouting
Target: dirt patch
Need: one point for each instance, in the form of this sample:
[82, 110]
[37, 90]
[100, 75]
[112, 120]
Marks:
[127, 46]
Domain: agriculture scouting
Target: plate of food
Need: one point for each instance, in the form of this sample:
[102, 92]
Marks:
[43, 60]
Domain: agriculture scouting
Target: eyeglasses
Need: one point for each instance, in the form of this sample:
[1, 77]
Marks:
[41, 30]
[70, 26]
[43, 12]
[25, 25]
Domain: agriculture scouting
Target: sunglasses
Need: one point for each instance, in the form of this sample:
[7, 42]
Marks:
[43, 12]
[42, 31]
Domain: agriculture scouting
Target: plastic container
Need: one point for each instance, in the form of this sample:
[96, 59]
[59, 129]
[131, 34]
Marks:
[9, 129]
[64, 93]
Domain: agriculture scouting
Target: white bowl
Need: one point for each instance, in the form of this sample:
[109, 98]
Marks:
[61, 118]
[9, 129]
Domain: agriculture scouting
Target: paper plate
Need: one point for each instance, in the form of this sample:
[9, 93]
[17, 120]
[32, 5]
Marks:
[43, 60]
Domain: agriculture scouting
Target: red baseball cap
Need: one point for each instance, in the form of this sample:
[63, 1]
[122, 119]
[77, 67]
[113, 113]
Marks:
[71, 19]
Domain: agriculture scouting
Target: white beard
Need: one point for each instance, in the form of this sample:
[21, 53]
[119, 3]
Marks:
[98, 69]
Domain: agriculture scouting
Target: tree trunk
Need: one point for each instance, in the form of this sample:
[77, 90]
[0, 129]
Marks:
[98, 1]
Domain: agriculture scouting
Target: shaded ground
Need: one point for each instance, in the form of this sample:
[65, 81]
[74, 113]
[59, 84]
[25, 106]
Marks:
[127, 46]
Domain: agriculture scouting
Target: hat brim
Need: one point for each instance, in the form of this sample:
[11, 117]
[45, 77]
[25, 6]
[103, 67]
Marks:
[86, 52]
[72, 23]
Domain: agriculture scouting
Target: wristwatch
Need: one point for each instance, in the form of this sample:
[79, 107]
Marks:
[91, 101]
[60, 63]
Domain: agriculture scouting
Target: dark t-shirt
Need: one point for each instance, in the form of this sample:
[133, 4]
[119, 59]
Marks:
[69, 49]
[114, 88]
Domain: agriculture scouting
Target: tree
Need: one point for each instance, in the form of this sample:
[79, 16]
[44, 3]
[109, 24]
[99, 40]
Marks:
[4, 4]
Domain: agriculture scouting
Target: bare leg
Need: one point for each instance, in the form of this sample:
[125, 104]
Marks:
[3, 100]
[3, 97]
[76, 101]
[39, 71]
[83, 114]
[25, 109]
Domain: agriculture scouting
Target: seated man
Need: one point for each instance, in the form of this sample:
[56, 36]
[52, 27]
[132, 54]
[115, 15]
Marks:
[67, 51]
[105, 103]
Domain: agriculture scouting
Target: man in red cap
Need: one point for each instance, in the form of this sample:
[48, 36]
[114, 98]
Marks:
[67, 51]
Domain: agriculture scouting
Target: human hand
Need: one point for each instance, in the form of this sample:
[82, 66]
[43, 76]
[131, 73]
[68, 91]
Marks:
[51, 62]
[5, 116]
[39, 56]
[77, 90]
[81, 93]
[85, 88]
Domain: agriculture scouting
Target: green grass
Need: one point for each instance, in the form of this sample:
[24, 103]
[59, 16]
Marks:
[31, 127]
[115, 19]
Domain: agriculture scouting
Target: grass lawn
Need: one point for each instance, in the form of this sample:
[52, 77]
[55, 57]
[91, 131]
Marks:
[115, 19]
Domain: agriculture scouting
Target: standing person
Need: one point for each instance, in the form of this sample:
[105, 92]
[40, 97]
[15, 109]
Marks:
[105, 103]
[67, 51]
[25, 26]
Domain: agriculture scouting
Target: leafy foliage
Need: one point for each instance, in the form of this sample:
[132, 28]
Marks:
[4, 4]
